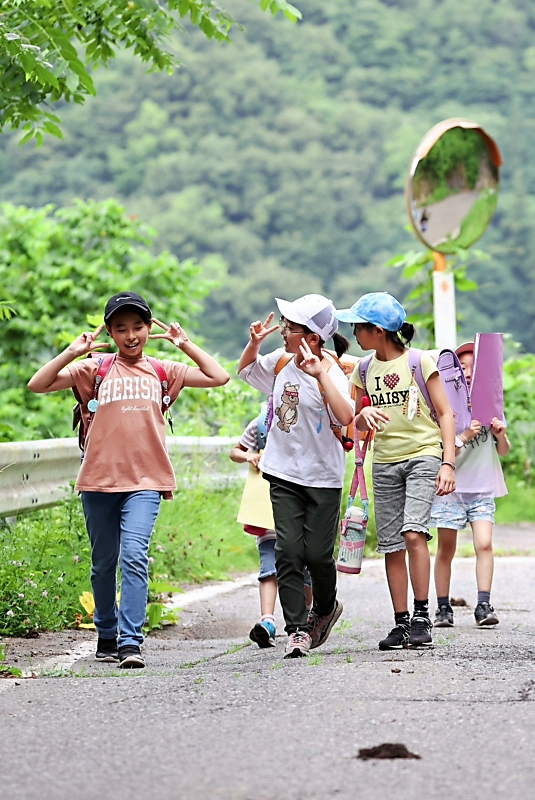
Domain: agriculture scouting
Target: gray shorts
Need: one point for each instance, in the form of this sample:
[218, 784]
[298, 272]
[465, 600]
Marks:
[403, 495]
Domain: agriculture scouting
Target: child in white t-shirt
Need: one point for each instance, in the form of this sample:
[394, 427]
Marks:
[126, 470]
[263, 633]
[479, 481]
[304, 460]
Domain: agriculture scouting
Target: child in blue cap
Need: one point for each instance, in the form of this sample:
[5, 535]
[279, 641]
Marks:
[413, 458]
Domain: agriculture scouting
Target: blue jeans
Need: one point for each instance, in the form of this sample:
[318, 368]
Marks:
[266, 551]
[120, 525]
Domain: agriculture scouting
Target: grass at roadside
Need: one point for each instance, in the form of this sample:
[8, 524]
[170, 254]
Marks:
[197, 537]
[45, 556]
[517, 506]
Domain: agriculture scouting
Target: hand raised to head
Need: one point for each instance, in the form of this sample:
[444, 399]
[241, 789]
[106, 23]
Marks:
[259, 330]
[173, 333]
[85, 343]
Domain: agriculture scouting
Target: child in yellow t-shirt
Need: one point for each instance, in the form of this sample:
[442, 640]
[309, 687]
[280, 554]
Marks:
[413, 459]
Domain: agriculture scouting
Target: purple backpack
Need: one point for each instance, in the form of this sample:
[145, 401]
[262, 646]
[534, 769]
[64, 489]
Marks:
[452, 377]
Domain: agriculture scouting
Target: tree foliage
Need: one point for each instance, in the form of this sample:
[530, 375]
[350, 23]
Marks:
[285, 155]
[60, 266]
[48, 48]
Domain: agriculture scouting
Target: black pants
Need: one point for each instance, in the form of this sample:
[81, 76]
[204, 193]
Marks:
[306, 521]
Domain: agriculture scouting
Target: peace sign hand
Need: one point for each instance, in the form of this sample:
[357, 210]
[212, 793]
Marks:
[310, 364]
[259, 330]
[173, 333]
[85, 343]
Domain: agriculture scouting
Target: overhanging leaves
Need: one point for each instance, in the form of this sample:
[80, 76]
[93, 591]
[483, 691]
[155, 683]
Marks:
[48, 48]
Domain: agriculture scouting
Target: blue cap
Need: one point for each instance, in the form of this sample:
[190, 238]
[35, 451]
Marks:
[378, 308]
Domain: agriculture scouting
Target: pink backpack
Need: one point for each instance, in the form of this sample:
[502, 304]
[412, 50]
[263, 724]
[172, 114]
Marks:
[452, 377]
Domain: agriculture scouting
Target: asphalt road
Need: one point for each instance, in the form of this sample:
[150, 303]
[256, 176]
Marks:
[211, 719]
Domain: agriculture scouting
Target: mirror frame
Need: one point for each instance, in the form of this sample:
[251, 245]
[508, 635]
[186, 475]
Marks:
[429, 140]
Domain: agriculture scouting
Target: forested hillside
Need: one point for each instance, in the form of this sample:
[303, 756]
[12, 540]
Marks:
[279, 161]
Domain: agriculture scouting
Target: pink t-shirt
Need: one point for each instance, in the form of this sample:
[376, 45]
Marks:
[125, 448]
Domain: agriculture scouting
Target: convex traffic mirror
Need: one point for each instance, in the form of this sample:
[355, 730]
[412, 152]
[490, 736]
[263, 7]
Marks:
[453, 183]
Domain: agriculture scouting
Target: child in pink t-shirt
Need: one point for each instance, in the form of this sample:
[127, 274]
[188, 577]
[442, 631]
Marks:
[126, 470]
[479, 481]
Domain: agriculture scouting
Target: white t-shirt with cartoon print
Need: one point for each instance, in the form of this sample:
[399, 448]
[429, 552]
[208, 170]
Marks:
[301, 447]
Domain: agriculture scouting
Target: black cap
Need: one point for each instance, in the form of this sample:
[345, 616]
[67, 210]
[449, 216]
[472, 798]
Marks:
[127, 299]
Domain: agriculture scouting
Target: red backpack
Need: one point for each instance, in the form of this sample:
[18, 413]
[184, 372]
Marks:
[105, 363]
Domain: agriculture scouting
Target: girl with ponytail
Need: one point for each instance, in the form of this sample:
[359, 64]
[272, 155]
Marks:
[413, 459]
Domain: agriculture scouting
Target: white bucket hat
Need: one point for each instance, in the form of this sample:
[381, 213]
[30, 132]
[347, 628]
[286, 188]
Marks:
[313, 311]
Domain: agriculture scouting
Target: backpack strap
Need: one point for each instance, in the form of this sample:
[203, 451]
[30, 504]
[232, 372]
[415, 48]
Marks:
[281, 363]
[104, 365]
[346, 442]
[359, 480]
[363, 370]
[261, 428]
[157, 366]
[415, 367]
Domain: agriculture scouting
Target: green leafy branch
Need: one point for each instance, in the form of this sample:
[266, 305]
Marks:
[6, 311]
[48, 48]
[418, 266]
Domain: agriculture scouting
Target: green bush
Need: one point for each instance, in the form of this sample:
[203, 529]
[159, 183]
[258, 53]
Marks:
[44, 568]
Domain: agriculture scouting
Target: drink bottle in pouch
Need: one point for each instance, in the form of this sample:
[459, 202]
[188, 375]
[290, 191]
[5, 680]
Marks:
[352, 538]
[353, 525]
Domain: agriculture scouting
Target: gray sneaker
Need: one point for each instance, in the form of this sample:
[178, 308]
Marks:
[298, 645]
[485, 614]
[444, 617]
[320, 627]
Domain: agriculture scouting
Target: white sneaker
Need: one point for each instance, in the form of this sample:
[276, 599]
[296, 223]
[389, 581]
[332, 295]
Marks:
[299, 644]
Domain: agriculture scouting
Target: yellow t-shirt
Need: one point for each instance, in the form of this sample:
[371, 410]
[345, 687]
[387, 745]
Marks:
[387, 384]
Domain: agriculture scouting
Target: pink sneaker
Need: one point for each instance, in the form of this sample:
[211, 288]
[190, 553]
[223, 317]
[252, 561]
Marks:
[320, 627]
[298, 645]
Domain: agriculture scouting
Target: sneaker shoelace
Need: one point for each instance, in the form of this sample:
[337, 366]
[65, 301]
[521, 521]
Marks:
[299, 637]
[421, 624]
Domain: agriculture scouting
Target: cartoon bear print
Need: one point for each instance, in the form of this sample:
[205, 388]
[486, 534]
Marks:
[287, 411]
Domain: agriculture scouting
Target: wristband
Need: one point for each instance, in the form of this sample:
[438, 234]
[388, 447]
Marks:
[463, 438]
[448, 464]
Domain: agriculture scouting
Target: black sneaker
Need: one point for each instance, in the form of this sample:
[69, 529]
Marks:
[444, 617]
[130, 657]
[107, 650]
[485, 614]
[397, 639]
[420, 635]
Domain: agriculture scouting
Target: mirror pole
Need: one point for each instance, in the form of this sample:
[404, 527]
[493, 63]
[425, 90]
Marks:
[444, 304]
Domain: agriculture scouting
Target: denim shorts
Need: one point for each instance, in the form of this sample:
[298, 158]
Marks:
[266, 551]
[403, 494]
[456, 514]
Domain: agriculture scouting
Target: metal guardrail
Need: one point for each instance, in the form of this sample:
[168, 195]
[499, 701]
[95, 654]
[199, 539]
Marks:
[37, 474]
